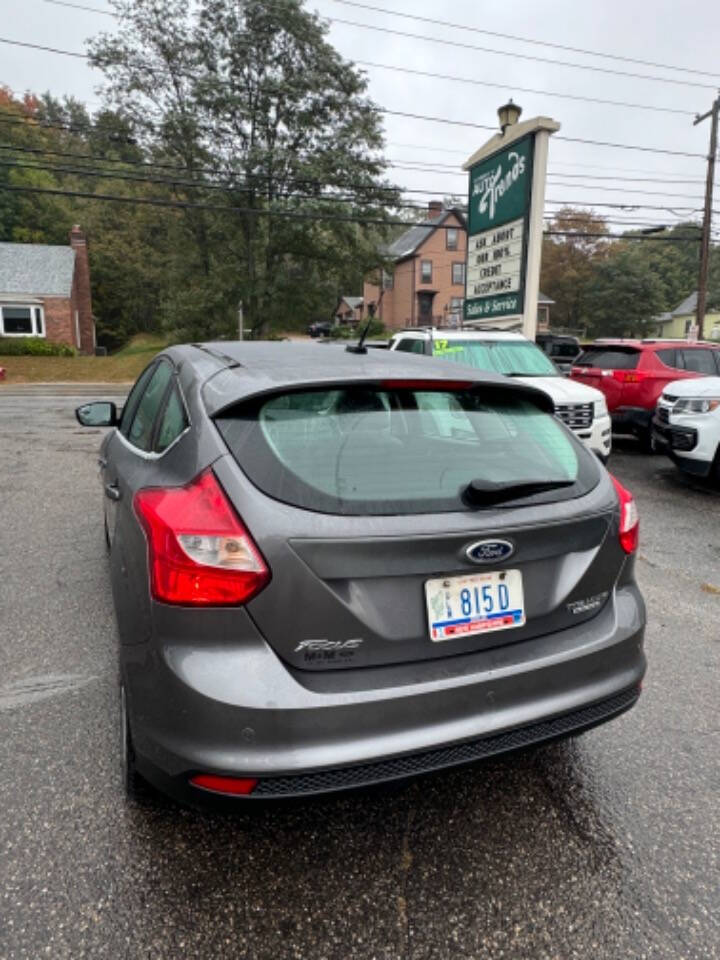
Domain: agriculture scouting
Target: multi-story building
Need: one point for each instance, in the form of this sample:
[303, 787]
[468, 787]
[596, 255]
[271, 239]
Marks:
[427, 283]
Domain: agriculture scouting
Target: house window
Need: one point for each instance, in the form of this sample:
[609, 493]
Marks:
[456, 304]
[451, 238]
[426, 271]
[458, 273]
[21, 322]
[387, 280]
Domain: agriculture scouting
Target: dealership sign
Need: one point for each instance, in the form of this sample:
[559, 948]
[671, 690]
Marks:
[498, 215]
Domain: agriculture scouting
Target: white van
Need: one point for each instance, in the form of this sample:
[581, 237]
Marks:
[580, 407]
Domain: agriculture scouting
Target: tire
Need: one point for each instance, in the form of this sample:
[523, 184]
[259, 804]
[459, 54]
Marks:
[136, 788]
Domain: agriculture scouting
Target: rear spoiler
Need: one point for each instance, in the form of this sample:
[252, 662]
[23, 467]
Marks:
[220, 393]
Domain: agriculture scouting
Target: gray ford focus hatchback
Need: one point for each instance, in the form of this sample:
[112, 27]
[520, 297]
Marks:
[332, 569]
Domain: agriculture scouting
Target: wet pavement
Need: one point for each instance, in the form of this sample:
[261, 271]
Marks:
[607, 846]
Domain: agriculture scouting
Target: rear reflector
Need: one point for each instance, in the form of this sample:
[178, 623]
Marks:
[232, 786]
[629, 521]
[199, 551]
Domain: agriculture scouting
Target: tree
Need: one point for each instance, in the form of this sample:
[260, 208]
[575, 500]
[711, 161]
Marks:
[569, 261]
[623, 296]
[253, 96]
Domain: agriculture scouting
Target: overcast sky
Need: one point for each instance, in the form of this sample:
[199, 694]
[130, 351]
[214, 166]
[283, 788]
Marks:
[663, 31]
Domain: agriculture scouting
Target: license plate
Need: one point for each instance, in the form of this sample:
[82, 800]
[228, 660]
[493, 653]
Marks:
[477, 603]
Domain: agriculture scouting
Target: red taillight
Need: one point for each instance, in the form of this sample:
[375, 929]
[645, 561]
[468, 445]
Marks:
[235, 786]
[629, 521]
[199, 551]
[631, 376]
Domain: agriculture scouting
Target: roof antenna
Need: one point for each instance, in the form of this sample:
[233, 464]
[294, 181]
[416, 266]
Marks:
[360, 347]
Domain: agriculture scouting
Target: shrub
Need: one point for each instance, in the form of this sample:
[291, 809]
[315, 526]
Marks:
[376, 329]
[33, 347]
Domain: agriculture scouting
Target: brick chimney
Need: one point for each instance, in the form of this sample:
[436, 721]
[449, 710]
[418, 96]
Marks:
[83, 325]
[435, 208]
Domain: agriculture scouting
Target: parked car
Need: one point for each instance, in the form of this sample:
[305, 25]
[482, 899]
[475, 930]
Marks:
[561, 349]
[321, 328]
[633, 373]
[687, 425]
[332, 569]
[580, 408]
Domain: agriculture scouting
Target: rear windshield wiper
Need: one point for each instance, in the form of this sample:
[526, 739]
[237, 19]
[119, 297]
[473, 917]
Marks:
[489, 492]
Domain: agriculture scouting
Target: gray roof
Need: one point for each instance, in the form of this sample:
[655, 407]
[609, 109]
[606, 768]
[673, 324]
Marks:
[408, 242]
[36, 269]
[353, 302]
[542, 298]
[688, 305]
[252, 368]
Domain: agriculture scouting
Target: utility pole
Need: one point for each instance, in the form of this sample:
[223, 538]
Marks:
[707, 218]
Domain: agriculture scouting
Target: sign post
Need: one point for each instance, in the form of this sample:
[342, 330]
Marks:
[506, 197]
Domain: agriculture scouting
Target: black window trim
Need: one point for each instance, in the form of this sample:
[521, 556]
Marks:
[174, 381]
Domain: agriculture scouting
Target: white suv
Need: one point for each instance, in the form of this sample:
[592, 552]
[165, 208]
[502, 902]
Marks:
[687, 425]
[578, 406]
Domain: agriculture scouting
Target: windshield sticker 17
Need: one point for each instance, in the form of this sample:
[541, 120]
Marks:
[442, 347]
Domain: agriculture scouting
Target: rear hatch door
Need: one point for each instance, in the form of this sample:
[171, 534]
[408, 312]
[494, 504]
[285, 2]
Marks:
[607, 369]
[358, 497]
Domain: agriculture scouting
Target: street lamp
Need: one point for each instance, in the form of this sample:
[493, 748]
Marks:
[509, 114]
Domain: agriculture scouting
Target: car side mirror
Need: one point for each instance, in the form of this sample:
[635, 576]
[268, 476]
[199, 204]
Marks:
[101, 413]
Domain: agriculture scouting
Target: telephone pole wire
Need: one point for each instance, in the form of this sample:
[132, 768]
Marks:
[707, 218]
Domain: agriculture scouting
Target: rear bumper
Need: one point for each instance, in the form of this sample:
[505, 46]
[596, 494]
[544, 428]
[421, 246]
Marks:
[635, 420]
[239, 711]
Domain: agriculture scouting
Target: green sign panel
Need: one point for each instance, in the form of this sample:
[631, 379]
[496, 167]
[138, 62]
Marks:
[498, 214]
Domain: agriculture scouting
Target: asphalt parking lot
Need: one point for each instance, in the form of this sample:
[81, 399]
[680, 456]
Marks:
[607, 846]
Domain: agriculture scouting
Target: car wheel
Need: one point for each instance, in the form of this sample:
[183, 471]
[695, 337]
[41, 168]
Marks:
[135, 786]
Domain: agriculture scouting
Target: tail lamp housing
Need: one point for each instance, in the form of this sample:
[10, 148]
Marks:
[629, 520]
[199, 551]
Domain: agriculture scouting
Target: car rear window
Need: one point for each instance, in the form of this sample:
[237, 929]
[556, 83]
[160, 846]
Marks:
[609, 358]
[363, 450]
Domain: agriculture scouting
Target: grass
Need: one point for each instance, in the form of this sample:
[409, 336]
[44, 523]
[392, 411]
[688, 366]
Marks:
[123, 366]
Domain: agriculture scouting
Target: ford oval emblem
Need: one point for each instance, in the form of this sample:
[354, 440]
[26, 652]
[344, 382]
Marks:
[489, 551]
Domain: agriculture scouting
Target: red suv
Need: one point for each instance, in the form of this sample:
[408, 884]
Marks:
[633, 373]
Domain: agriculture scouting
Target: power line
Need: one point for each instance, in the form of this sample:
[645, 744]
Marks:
[618, 236]
[510, 36]
[80, 6]
[592, 143]
[282, 214]
[462, 123]
[440, 167]
[206, 185]
[514, 87]
[526, 56]
[39, 46]
[465, 27]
